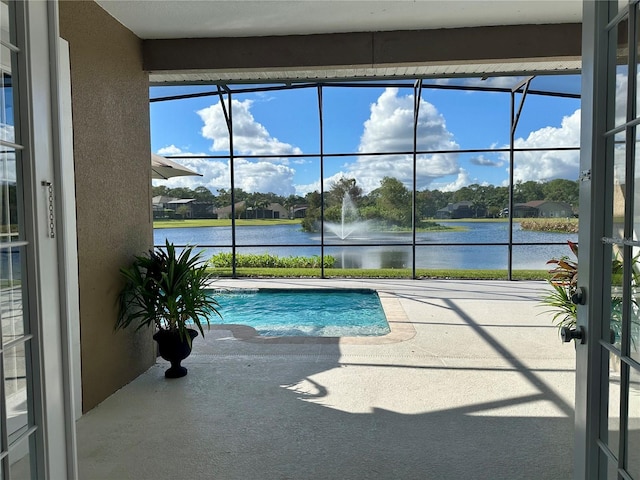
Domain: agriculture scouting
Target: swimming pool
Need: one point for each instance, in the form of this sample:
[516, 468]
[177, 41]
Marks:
[304, 312]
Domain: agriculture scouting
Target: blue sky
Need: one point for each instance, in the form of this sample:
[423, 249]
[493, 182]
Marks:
[361, 120]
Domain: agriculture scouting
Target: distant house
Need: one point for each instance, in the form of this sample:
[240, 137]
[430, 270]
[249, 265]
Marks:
[170, 207]
[463, 209]
[203, 210]
[273, 210]
[522, 210]
[542, 209]
[160, 201]
[299, 211]
[225, 212]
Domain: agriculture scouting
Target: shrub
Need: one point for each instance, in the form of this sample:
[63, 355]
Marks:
[563, 225]
[266, 260]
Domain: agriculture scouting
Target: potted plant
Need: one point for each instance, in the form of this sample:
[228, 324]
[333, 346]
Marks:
[564, 282]
[564, 279]
[167, 289]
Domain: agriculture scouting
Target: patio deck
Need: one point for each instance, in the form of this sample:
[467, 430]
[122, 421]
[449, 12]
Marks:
[477, 386]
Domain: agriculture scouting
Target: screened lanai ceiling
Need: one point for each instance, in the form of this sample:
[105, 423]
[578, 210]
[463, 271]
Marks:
[163, 20]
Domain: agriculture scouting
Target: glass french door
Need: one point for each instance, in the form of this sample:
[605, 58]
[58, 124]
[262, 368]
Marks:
[608, 355]
[20, 439]
[36, 430]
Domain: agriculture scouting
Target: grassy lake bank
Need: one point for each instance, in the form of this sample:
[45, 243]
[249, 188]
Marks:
[424, 226]
[222, 222]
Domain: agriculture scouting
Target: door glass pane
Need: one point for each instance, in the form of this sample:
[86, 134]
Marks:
[637, 62]
[611, 434]
[20, 459]
[634, 264]
[621, 40]
[634, 348]
[616, 230]
[610, 465]
[16, 391]
[633, 426]
[14, 322]
[8, 195]
[6, 101]
[616, 306]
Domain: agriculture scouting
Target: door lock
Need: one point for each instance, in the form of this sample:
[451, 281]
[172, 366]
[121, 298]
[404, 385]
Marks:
[567, 334]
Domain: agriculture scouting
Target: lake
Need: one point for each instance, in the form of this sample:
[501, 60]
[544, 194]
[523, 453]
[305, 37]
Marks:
[376, 251]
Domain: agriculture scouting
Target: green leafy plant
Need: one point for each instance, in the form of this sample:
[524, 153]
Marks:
[563, 280]
[563, 309]
[167, 289]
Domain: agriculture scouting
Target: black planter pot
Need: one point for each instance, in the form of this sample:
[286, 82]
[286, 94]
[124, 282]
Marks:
[174, 349]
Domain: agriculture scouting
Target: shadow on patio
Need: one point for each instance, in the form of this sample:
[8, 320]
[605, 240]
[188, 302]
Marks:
[484, 390]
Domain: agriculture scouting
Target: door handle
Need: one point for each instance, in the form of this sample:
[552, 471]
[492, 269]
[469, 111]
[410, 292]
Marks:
[579, 297]
[567, 334]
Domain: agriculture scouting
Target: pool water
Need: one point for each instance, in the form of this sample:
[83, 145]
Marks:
[310, 312]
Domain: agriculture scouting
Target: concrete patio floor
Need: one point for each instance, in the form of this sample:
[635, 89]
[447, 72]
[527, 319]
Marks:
[476, 386]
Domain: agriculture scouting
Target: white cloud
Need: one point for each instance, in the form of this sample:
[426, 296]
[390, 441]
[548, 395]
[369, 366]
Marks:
[215, 173]
[462, 180]
[249, 136]
[260, 176]
[250, 176]
[302, 190]
[328, 182]
[170, 150]
[544, 166]
[548, 165]
[390, 128]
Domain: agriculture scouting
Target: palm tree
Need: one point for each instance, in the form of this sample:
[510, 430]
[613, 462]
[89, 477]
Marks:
[262, 204]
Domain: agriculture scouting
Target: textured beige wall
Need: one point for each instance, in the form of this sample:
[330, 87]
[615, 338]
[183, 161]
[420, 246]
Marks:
[112, 172]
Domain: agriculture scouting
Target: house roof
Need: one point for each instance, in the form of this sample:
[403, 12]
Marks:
[227, 208]
[163, 199]
[533, 203]
[454, 206]
[538, 203]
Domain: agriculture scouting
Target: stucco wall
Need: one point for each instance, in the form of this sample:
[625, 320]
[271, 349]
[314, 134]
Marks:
[112, 174]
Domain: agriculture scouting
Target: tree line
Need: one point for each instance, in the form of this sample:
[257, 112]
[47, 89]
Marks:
[390, 204]
[223, 198]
